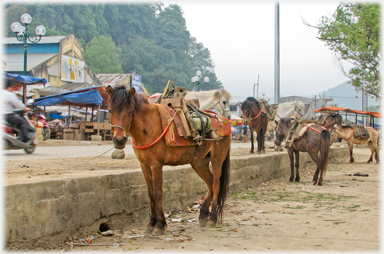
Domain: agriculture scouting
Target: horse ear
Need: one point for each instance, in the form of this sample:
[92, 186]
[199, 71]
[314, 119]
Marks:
[132, 91]
[109, 90]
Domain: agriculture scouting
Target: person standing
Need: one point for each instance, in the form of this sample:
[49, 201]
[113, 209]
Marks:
[245, 133]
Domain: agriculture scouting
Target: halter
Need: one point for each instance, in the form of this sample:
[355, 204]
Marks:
[125, 131]
[222, 108]
[252, 118]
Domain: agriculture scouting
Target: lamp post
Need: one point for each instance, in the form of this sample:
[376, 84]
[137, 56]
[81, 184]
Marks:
[21, 33]
[196, 79]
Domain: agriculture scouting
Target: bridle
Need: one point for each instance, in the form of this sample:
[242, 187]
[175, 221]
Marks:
[221, 106]
[249, 119]
[120, 127]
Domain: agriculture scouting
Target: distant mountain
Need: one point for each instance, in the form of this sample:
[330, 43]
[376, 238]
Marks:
[345, 96]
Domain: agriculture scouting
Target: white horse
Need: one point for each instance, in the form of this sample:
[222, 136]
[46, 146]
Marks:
[217, 99]
[295, 109]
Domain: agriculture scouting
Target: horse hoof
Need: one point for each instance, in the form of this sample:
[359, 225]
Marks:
[258, 152]
[314, 182]
[148, 230]
[203, 223]
[211, 223]
[320, 184]
[158, 231]
[291, 180]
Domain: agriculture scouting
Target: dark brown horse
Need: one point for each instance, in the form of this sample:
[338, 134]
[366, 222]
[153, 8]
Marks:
[329, 121]
[131, 113]
[257, 120]
[315, 139]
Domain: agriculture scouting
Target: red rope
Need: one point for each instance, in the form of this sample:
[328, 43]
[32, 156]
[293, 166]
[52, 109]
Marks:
[256, 116]
[350, 136]
[313, 128]
[157, 140]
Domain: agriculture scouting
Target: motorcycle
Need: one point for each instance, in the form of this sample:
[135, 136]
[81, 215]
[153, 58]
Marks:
[12, 136]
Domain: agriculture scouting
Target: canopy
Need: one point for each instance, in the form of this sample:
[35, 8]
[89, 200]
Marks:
[329, 109]
[20, 80]
[86, 97]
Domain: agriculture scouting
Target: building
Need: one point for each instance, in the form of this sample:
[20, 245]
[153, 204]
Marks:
[58, 59]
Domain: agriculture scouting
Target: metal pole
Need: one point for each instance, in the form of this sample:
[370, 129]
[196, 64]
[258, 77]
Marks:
[257, 94]
[277, 54]
[25, 63]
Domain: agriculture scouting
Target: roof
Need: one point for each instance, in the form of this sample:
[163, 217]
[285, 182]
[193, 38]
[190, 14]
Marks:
[19, 79]
[44, 39]
[15, 62]
[347, 110]
[87, 97]
[114, 79]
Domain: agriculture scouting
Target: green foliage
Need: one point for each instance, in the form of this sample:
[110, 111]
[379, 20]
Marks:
[147, 39]
[353, 33]
[102, 55]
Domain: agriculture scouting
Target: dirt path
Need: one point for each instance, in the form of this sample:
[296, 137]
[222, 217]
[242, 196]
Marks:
[341, 215]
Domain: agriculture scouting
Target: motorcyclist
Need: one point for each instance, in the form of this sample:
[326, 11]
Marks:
[10, 102]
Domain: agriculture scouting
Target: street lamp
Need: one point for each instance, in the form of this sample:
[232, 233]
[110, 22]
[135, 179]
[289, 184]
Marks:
[196, 79]
[22, 35]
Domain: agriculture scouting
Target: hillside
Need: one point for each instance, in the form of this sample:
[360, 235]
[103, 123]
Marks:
[345, 96]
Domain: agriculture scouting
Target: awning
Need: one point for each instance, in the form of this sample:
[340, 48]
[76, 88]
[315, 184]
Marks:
[20, 80]
[331, 109]
[86, 97]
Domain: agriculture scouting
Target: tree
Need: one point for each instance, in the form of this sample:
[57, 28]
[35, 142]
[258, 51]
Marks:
[353, 33]
[102, 55]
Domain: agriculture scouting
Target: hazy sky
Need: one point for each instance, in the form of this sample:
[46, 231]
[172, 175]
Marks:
[241, 38]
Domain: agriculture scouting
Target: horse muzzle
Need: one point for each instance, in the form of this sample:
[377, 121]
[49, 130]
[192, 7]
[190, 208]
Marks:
[119, 143]
[245, 120]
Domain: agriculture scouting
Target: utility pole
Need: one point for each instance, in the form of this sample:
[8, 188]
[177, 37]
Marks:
[277, 54]
[257, 94]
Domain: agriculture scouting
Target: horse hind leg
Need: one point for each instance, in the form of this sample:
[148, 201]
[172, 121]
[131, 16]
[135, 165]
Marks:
[202, 169]
[373, 151]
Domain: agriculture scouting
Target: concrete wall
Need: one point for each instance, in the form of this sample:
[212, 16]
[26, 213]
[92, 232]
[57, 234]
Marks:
[52, 212]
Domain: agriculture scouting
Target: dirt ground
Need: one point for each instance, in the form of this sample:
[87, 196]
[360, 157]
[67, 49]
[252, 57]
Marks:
[341, 215]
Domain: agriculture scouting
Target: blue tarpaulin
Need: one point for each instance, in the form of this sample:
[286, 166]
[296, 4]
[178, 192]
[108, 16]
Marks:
[83, 97]
[24, 79]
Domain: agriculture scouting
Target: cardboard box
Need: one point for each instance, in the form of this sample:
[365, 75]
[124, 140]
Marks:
[74, 126]
[39, 130]
[79, 135]
[68, 136]
[39, 137]
[68, 130]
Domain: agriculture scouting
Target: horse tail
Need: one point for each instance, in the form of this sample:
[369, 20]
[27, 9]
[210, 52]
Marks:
[325, 143]
[224, 184]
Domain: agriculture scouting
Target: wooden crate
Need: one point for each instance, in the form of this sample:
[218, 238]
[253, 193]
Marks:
[79, 135]
[68, 136]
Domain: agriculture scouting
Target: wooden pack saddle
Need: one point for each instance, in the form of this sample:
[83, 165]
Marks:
[181, 132]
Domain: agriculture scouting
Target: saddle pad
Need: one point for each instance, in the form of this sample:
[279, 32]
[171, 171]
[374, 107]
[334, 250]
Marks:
[220, 124]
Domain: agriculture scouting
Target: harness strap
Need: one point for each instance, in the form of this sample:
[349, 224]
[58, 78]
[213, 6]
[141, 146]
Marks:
[162, 134]
[315, 129]
[350, 136]
[256, 116]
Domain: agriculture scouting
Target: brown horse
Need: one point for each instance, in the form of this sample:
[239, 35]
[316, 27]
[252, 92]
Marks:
[131, 113]
[347, 133]
[329, 121]
[257, 120]
[315, 139]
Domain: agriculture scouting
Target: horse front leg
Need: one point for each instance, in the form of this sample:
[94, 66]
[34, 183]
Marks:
[350, 146]
[147, 172]
[157, 180]
[297, 164]
[291, 159]
[252, 140]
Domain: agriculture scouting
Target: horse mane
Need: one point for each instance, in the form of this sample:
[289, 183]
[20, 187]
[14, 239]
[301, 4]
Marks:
[225, 93]
[120, 99]
[248, 103]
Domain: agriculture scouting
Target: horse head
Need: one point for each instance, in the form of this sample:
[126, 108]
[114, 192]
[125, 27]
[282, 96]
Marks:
[121, 106]
[282, 128]
[248, 108]
[222, 106]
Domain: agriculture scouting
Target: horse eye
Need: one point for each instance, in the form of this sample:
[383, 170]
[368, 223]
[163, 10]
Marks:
[110, 112]
[224, 102]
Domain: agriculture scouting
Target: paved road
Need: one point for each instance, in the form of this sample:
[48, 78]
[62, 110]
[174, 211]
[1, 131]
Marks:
[57, 152]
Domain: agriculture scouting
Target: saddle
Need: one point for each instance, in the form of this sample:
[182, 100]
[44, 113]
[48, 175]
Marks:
[360, 132]
[189, 125]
